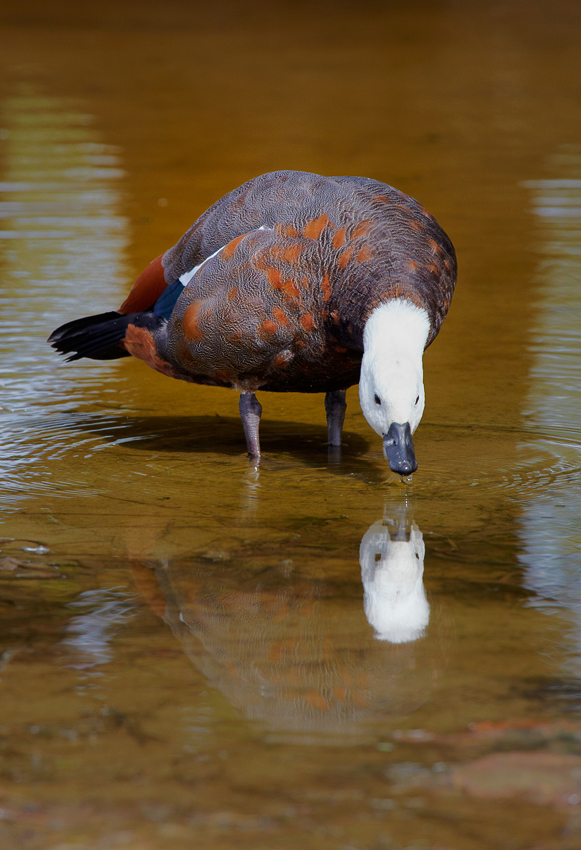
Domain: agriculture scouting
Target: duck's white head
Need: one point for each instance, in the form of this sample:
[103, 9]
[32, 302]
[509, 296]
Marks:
[391, 386]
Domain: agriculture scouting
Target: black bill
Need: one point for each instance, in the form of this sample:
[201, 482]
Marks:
[398, 448]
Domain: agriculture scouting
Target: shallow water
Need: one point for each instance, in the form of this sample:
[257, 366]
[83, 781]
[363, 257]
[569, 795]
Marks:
[200, 653]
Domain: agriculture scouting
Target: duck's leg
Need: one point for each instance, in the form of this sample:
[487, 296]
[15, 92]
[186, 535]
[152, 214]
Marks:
[250, 413]
[335, 407]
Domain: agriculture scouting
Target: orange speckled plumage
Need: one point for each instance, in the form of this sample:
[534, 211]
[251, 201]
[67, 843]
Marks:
[304, 261]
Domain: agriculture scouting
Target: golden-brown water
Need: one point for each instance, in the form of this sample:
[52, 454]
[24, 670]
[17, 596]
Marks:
[196, 653]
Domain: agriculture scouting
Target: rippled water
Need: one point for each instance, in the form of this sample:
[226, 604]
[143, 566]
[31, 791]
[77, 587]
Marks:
[551, 525]
[197, 652]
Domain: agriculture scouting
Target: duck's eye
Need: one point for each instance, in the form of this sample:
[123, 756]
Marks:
[377, 399]
[416, 401]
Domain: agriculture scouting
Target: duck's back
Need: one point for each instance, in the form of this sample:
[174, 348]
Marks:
[294, 263]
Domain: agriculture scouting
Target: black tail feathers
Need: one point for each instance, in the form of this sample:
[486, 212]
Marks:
[98, 337]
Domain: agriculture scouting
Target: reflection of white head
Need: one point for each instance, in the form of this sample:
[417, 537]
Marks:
[392, 566]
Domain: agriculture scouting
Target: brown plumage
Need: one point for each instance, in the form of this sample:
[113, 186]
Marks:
[291, 266]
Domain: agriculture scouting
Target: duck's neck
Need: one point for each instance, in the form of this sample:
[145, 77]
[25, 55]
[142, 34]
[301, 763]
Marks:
[397, 329]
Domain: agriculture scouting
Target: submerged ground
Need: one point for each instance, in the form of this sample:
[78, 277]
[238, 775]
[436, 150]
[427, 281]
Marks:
[189, 652]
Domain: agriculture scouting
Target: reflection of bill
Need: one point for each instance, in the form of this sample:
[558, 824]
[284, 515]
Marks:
[392, 568]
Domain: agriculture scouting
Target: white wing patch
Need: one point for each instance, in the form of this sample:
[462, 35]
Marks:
[185, 278]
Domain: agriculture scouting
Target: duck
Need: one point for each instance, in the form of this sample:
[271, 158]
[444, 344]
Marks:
[293, 282]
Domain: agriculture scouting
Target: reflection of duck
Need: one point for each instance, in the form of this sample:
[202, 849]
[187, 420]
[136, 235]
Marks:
[293, 283]
[392, 567]
[292, 652]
